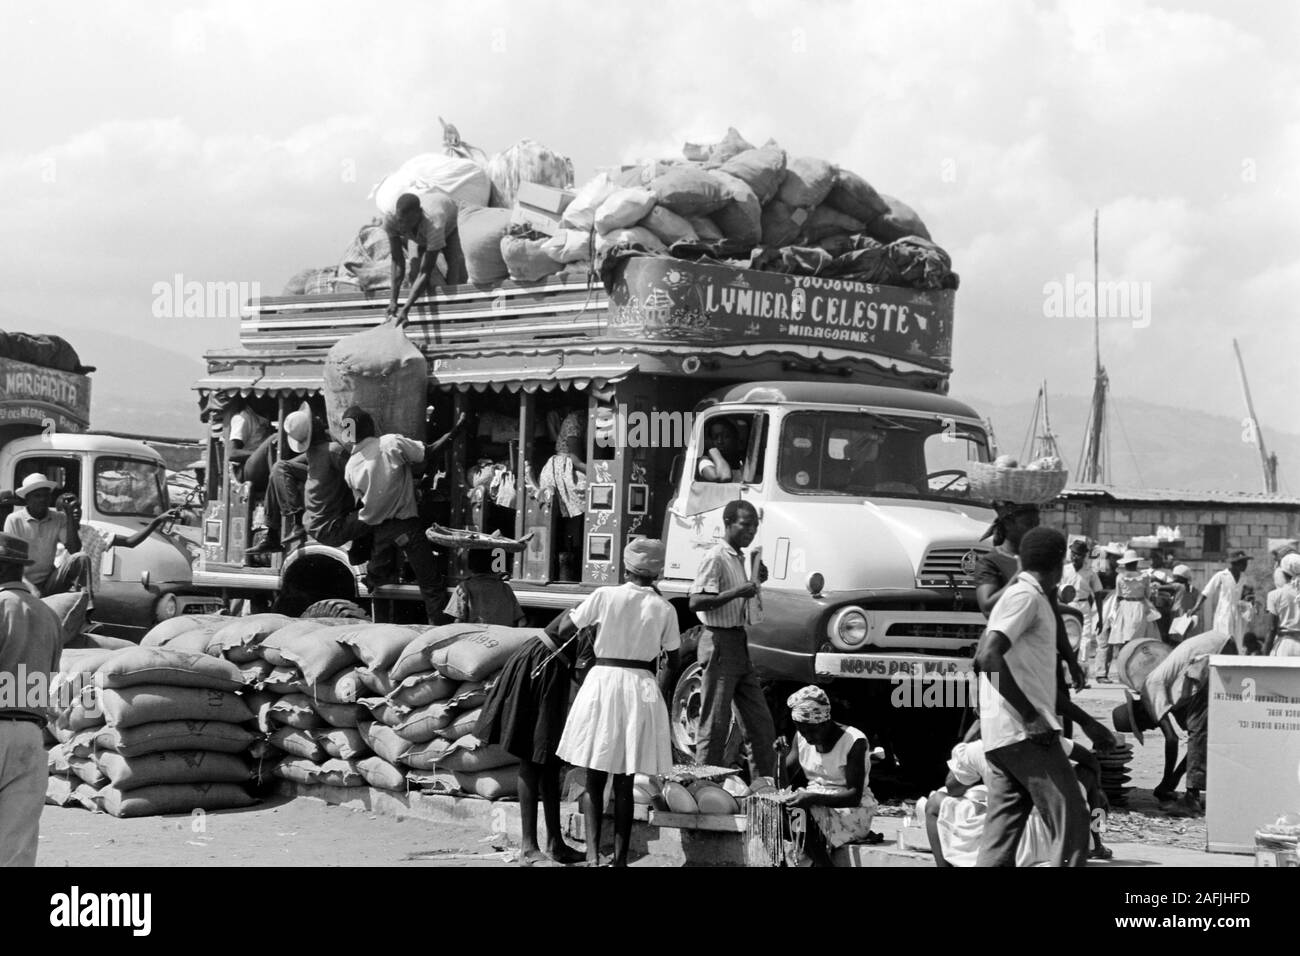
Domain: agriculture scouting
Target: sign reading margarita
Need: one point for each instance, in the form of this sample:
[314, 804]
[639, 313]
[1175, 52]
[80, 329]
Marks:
[670, 299]
[31, 395]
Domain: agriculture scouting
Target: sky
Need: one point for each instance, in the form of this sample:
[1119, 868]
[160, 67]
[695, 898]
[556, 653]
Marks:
[238, 142]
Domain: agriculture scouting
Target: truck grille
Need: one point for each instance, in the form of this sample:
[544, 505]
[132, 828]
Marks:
[948, 567]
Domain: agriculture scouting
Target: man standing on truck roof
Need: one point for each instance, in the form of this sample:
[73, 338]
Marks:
[379, 474]
[44, 530]
[720, 597]
[31, 641]
[428, 220]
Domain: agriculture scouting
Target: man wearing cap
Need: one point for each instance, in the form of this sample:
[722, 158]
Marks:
[1283, 604]
[31, 642]
[284, 490]
[1225, 591]
[1017, 664]
[1081, 589]
[720, 596]
[1178, 689]
[44, 529]
[379, 474]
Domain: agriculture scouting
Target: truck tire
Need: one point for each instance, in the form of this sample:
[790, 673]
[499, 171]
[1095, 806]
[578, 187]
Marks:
[684, 707]
[337, 607]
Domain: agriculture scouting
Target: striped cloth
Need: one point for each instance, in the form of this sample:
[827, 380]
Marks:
[722, 569]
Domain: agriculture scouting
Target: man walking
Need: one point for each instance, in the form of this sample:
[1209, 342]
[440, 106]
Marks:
[379, 474]
[31, 640]
[720, 597]
[1017, 662]
[44, 530]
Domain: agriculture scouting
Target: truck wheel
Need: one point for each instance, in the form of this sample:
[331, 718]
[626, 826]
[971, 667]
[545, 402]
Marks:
[684, 715]
[337, 607]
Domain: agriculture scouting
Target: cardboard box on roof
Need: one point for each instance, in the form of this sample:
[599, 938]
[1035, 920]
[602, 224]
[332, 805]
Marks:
[1253, 770]
[540, 207]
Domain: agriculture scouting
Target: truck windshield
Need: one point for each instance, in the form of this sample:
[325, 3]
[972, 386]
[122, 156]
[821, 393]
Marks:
[129, 486]
[863, 454]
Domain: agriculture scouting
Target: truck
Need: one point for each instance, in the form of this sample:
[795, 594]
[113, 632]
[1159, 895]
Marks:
[845, 441]
[120, 483]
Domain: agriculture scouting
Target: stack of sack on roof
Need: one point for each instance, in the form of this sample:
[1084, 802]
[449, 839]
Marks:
[517, 215]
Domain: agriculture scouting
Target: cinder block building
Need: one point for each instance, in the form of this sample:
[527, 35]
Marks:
[1210, 524]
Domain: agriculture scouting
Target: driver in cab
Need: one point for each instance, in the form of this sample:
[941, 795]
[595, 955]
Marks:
[863, 454]
[723, 459]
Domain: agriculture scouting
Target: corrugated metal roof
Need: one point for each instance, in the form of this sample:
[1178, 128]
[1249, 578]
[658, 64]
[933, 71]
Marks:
[1181, 495]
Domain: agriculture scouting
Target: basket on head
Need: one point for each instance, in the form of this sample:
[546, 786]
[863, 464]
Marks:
[1022, 485]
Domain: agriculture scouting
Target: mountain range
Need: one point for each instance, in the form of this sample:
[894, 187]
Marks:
[147, 389]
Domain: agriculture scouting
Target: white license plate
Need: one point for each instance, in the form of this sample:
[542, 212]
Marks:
[877, 667]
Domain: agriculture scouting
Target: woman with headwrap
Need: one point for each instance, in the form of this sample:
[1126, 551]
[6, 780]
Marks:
[830, 759]
[619, 722]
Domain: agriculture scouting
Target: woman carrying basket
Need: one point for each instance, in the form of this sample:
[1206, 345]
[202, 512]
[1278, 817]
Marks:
[619, 721]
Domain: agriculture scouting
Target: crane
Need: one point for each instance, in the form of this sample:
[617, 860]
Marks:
[1267, 461]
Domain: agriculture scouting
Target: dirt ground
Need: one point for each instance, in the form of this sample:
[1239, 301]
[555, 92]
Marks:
[280, 832]
[302, 832]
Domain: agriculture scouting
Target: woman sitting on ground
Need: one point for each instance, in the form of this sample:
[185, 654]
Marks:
[830, 761]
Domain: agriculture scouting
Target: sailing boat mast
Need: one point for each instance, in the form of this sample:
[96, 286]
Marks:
[1269, 462]
[1094, 460]
[1041, 440]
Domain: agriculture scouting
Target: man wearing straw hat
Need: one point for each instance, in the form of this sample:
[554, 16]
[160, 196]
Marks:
[1178, 689]
[44, 529]
[31, 641]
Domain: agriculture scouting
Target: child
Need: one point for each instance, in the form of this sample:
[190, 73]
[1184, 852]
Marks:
[619, 721]
[524, 713]
[483, 597]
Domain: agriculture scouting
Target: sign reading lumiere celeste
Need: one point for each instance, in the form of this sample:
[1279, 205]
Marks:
[701, 305]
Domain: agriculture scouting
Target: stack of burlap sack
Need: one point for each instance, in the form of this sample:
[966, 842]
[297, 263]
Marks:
[153, 729]
[391, 706]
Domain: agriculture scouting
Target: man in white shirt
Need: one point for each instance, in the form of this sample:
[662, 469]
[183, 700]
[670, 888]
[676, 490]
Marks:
[379, 474]
[1225, 591]
[1081, 589]
[1017, 661]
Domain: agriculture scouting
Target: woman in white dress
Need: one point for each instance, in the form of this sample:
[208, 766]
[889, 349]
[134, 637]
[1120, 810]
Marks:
[1132, 612]
[832, 760]
[619, 722]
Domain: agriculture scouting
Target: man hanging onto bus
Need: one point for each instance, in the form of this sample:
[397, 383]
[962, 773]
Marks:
[379, 474]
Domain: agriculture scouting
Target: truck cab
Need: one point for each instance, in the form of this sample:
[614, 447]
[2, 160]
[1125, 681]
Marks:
[121, 485]
[867, 529]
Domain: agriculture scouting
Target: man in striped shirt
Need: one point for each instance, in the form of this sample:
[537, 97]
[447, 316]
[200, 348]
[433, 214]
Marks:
[720, 597]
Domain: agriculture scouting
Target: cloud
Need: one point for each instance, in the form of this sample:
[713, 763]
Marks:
[238, 141]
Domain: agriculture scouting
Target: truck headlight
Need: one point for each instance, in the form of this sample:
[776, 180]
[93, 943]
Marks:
[848, 628]
[166, 607]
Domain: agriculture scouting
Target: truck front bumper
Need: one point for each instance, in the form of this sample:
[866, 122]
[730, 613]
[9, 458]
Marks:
[891, 666]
